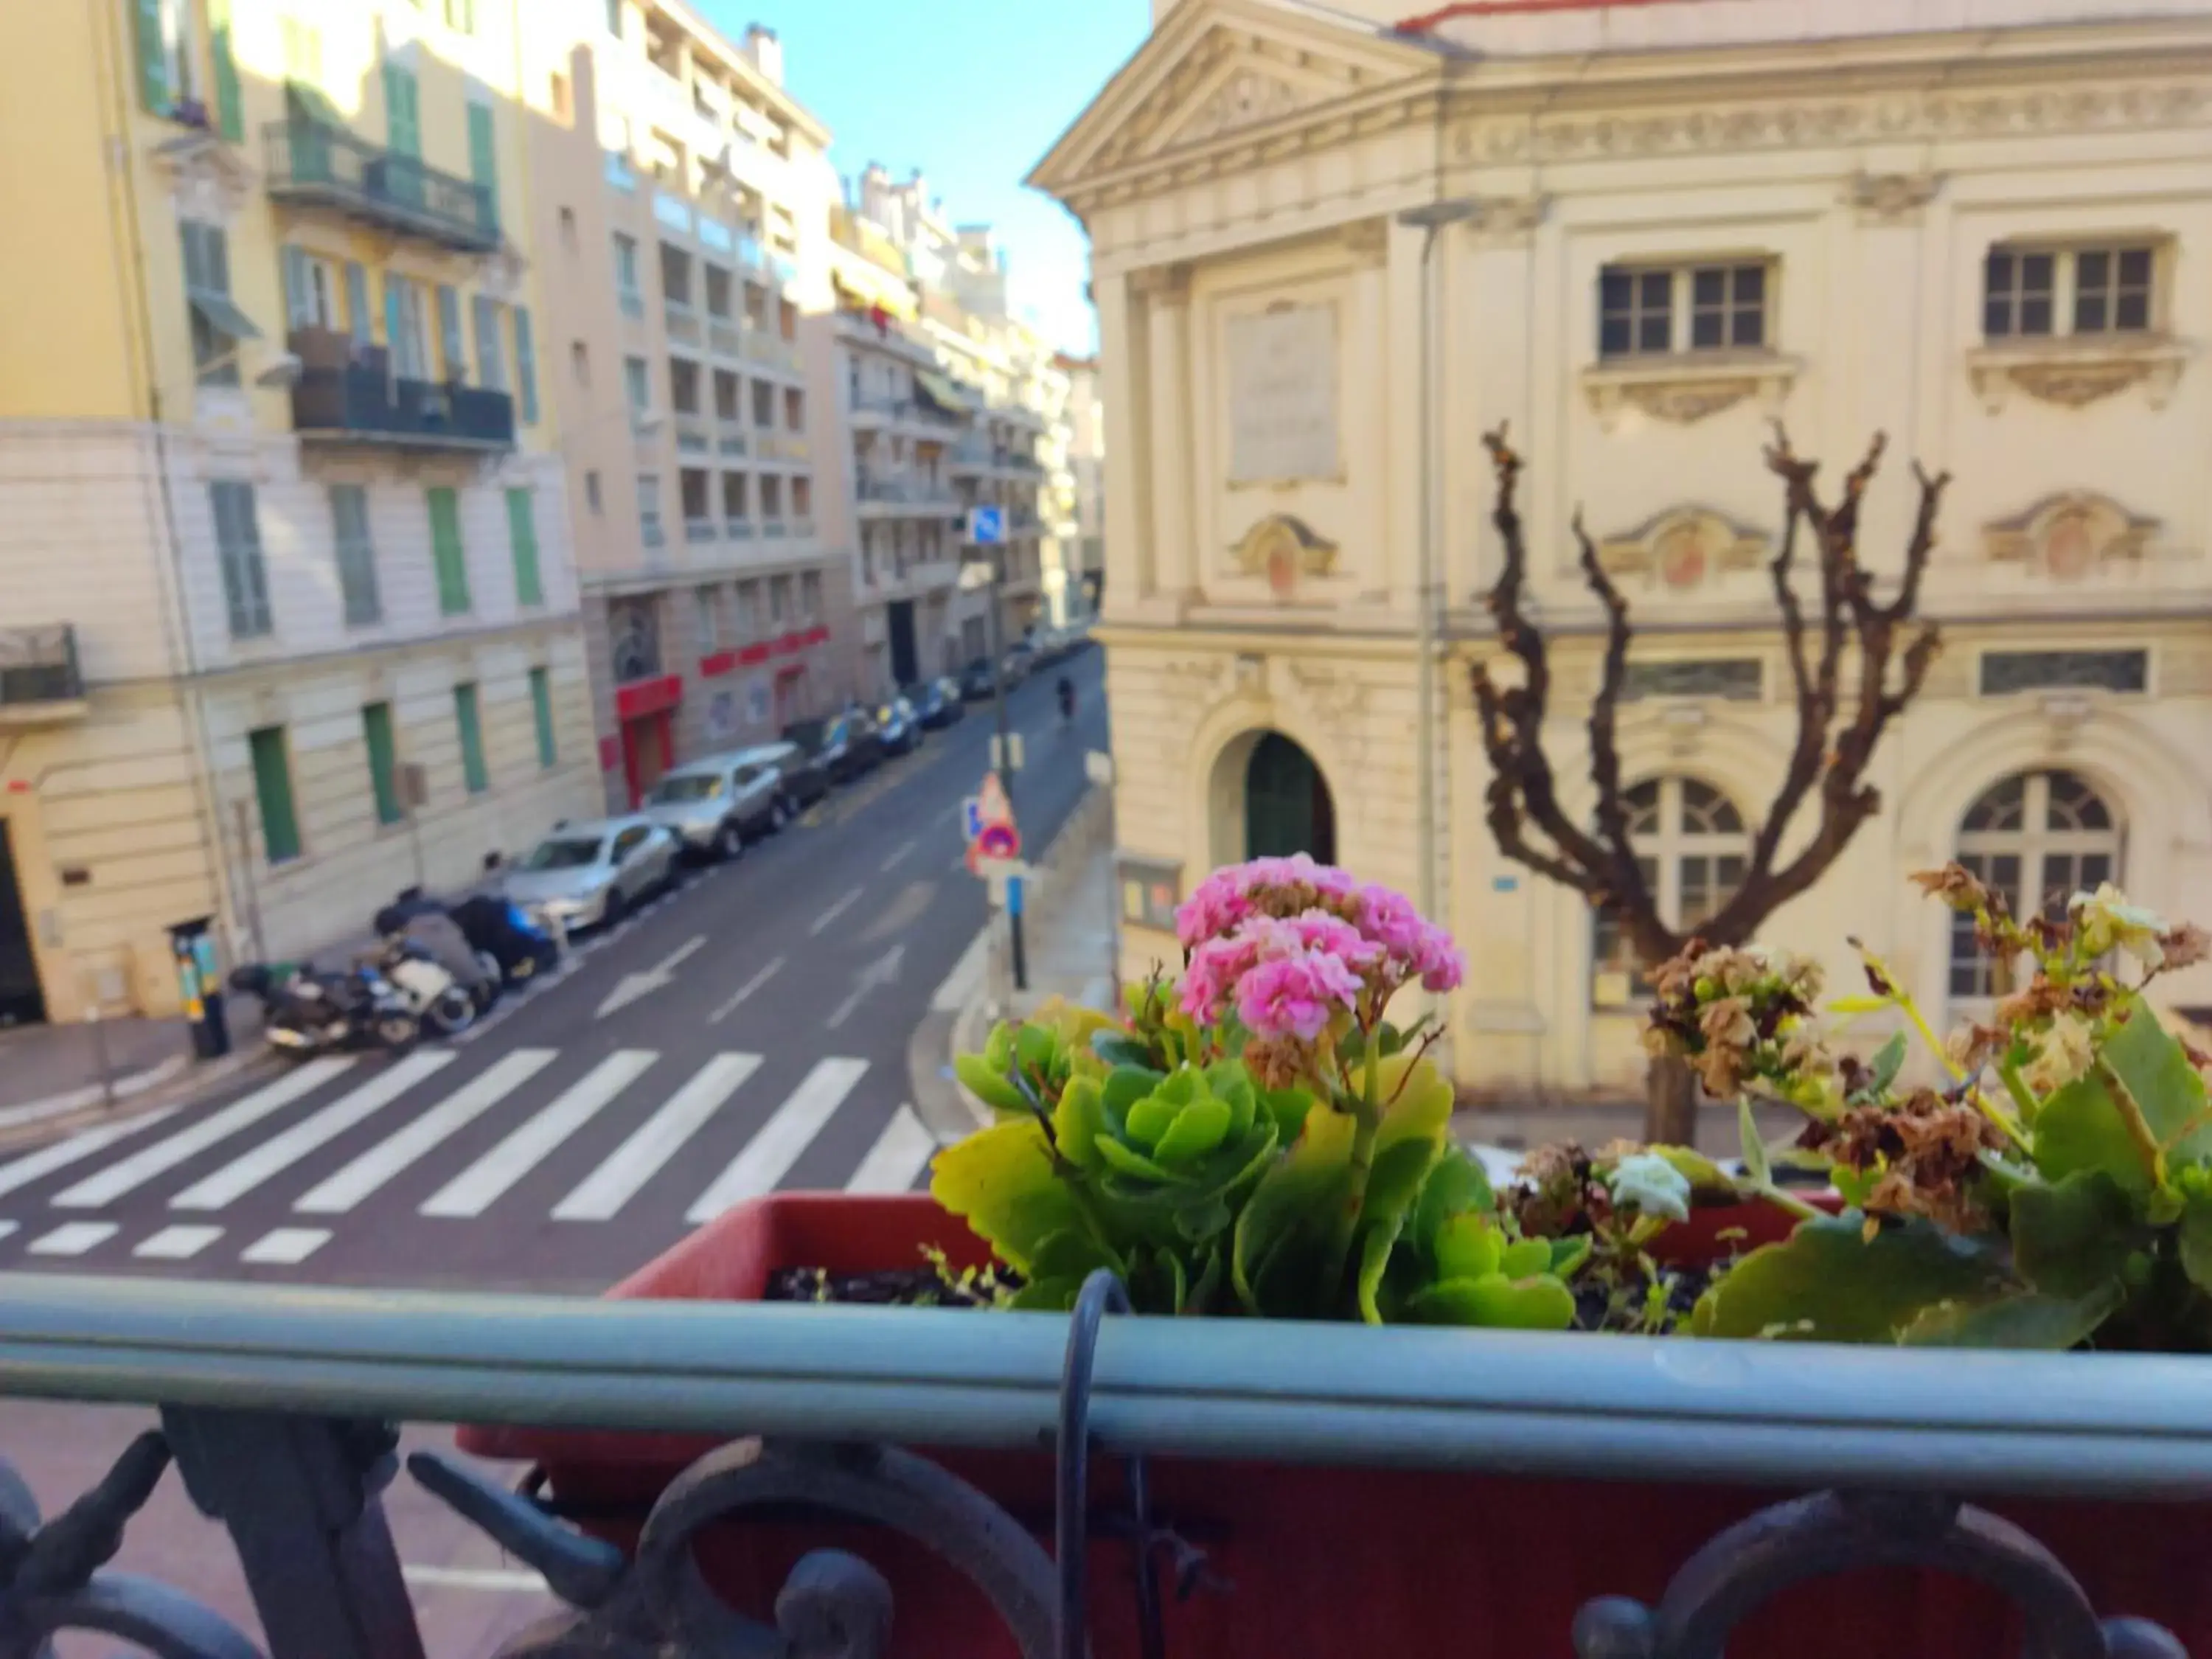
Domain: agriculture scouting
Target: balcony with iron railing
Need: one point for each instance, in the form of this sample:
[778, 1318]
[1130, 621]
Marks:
[40, 681]
[683, 323]
[762, 346]
[363, 404]
[314, 163]
[887, 334]
[890, 496]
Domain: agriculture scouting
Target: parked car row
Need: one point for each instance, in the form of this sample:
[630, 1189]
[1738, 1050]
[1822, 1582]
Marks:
[1040, 648]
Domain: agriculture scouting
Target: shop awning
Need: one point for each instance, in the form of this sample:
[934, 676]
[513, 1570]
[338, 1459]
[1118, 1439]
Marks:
[217, 311]
[942, 392]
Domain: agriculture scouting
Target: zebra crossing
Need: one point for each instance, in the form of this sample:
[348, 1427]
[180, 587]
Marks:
[533, 1137]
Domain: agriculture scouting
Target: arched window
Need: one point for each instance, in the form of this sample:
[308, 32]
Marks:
[2036, 838]
[1690, 847]
[1287, 804]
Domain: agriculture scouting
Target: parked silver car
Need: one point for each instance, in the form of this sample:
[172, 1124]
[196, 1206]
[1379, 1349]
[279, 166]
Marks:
[585, 873]
[714, 806]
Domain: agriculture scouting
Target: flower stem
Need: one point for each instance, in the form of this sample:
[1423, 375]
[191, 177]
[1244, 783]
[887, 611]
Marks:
[2137, 1126]
[2017, 1086]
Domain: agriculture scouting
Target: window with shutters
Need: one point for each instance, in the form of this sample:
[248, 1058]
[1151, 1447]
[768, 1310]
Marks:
[446, 552]
[483, 164]
[810, 595]
[383, 760]
[526, 365]
[1646, 310]
[2034, 839]
[452, 350]
[238, 550]
[222, 66]
[2036, 293]
[637, 384]
[469, 720]
[356, 555]
[311, 290]
[541, 710]
[272, 790]
[491, 360]
[522, 537]
[628, 292]
[403, 136]
[218, 325]
[406, 327]
[1691, 848]
[359, 316]
[167, 50]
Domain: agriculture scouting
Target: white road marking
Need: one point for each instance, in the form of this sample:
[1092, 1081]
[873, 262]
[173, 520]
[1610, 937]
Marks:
[768, 1156]
[285, 1247]
[73, 1238]
[143, 1166]
[882, 971]
[659, 1137]
[821, 922]
[7, 1227]
[381, 1162]
[511, 1580]
[744, 991]
[63, 1153]
[630, 987]
[273, 1156]
[966, 977]
[477, 1187]
[897, 852]
[896, 1162]
[179, 1243]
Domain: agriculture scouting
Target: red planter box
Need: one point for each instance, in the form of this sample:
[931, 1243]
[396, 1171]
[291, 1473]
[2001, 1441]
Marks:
[1337, 1561]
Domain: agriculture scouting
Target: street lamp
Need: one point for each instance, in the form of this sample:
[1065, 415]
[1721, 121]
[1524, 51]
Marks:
[1430, 218]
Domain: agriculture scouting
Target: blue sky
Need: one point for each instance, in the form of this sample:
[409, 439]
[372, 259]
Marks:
[973, 92]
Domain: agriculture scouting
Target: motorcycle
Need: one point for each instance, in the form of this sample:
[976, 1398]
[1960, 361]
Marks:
[513, 947]
[307, 1011]
[441, 1002]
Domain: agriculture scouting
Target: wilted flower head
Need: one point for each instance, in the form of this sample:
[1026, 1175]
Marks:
[2068, 1049]
[2108, 921]
[1956, 886]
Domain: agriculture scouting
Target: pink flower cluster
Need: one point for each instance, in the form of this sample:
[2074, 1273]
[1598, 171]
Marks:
[1289, 944]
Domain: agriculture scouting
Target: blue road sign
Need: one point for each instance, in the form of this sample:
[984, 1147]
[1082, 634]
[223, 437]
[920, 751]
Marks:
[971, 819]
[986, 526]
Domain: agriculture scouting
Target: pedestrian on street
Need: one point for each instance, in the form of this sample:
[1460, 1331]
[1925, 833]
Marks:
[1067, 690]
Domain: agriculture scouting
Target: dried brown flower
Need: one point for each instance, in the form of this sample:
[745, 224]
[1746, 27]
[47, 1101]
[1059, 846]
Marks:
[1927, 1150]
[1972, 1046]
[1956, 885]
[2186, 946]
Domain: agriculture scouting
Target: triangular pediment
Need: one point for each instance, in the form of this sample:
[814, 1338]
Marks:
[1218, 69]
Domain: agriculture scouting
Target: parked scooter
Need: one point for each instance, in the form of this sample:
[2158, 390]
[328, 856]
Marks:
[426, 923]
[307, 1011]
[500, 931]
[444, 1005]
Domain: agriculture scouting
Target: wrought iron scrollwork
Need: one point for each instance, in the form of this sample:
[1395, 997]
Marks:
[832, 1606]
[51, 1577]
[1835, 1532]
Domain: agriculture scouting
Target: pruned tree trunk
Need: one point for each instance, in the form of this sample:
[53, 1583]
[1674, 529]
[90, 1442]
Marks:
[1670, 1102]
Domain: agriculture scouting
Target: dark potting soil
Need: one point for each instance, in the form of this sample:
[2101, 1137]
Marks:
[1603, 1307]
[918, 1286]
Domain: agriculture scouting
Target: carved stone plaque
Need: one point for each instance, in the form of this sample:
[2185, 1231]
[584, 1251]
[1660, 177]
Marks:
[1282, 395]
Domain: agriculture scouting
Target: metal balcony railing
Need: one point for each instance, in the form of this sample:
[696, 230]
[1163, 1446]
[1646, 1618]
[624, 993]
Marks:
[38, 670]
[700, 530]
[315, 163]
[365, 405]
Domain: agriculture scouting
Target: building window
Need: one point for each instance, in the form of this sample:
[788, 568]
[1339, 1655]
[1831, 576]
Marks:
[682, 385]
[446, 552]
[614, 18]
[794, 408]
[451, 349]
[779, 600]
[648, 509]
[763, 404]
[470, 722]
[626, 287]
[735, 511]
[238, 548]
[541, 711]
[592, 498]
[637, 381]
[491, 361]
[1691, 848]
[406, 330]
[522, 540]
[771, 497]
[748, 609]
[2062, 671]
[525, 365]
[718, 291]
[633, 640]
[580, 363]
[217, 324]
[2034, 839]
[356, 555]
[1660, 311]
[383, 760]
[802, 496]
[710, 633]
[311, 290]
[272, 789]
[676, 277]
[2030, 293]
[1732, 679]
[810, 595]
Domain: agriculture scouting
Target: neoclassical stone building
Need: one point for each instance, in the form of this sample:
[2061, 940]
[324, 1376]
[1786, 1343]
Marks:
[1665, 225]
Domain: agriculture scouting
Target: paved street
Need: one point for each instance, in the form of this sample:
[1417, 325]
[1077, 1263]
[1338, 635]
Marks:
[746, 1034]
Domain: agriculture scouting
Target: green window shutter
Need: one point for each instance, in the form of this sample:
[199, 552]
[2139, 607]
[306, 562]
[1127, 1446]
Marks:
[541, 706]
[272, 786]
[446, 548]
[402, 120]
[526, 365]
[449, 333]
[229, 107]
[383, 760]
[357, 313]
[483, 163]
[491, 363]
[153, 58]
[394, 325]
[472, 755]
[298, 293]
[522, 533]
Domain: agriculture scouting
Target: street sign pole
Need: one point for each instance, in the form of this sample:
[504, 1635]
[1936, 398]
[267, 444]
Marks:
[987, 530]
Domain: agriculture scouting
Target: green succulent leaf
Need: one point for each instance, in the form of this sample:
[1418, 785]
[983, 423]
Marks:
[987, 1082]
[1706, 1178]
[1827, 1283]
[1456, 1185]
[1375, 1251]
[1035, 1046]
[1195, 1131]
[1881, 1071]
[1120, 1048]
[1541, 1304]
[2023, 1319]
[2195, 1239]
[999, 1048]
[1755, 1166]
[1149, 1119]
[1288, 1107]
[1568, 1255]
[2072, 1238]
[1468, 1246]
[1002, 1183]
[2082, 1126]
[1125, 1085]
[1290, 1212]
[1078, 1121]
[1073, 1253]
[1526, 1257]
[1125, 1160]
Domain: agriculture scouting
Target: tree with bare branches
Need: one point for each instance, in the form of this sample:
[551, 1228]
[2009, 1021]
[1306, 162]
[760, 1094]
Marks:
[1843, 708]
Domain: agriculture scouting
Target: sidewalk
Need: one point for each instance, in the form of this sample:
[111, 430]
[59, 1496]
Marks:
[53, 1076]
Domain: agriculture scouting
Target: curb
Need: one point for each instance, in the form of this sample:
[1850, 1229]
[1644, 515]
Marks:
[174, 1082]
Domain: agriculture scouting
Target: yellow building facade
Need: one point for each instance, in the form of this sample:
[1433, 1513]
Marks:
[287, 616]
[1639, 236]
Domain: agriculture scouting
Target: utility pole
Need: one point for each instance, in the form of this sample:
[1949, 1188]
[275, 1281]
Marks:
[993, 523]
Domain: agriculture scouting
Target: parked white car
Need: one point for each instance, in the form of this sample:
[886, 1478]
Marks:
[715, 806]
[584, 874]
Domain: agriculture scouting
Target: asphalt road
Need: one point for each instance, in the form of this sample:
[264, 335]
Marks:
[744, 1035]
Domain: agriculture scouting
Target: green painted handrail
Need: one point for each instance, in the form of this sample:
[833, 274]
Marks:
[1800, 1415]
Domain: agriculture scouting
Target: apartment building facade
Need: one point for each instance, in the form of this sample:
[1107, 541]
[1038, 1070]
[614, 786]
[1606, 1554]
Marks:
[1652, 231]
[1085, 483]
[682, 197]
[288, 619]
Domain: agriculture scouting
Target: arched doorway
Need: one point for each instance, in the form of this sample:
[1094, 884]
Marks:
[1287, 807]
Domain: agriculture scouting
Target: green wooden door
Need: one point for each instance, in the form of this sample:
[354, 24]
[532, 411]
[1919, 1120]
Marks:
[383, 759]
[1286, 805]
[541, 708]
[483, 165]
[446, 551]
[466, 715]
[272, 788]
[403, 122]
[522, 536]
